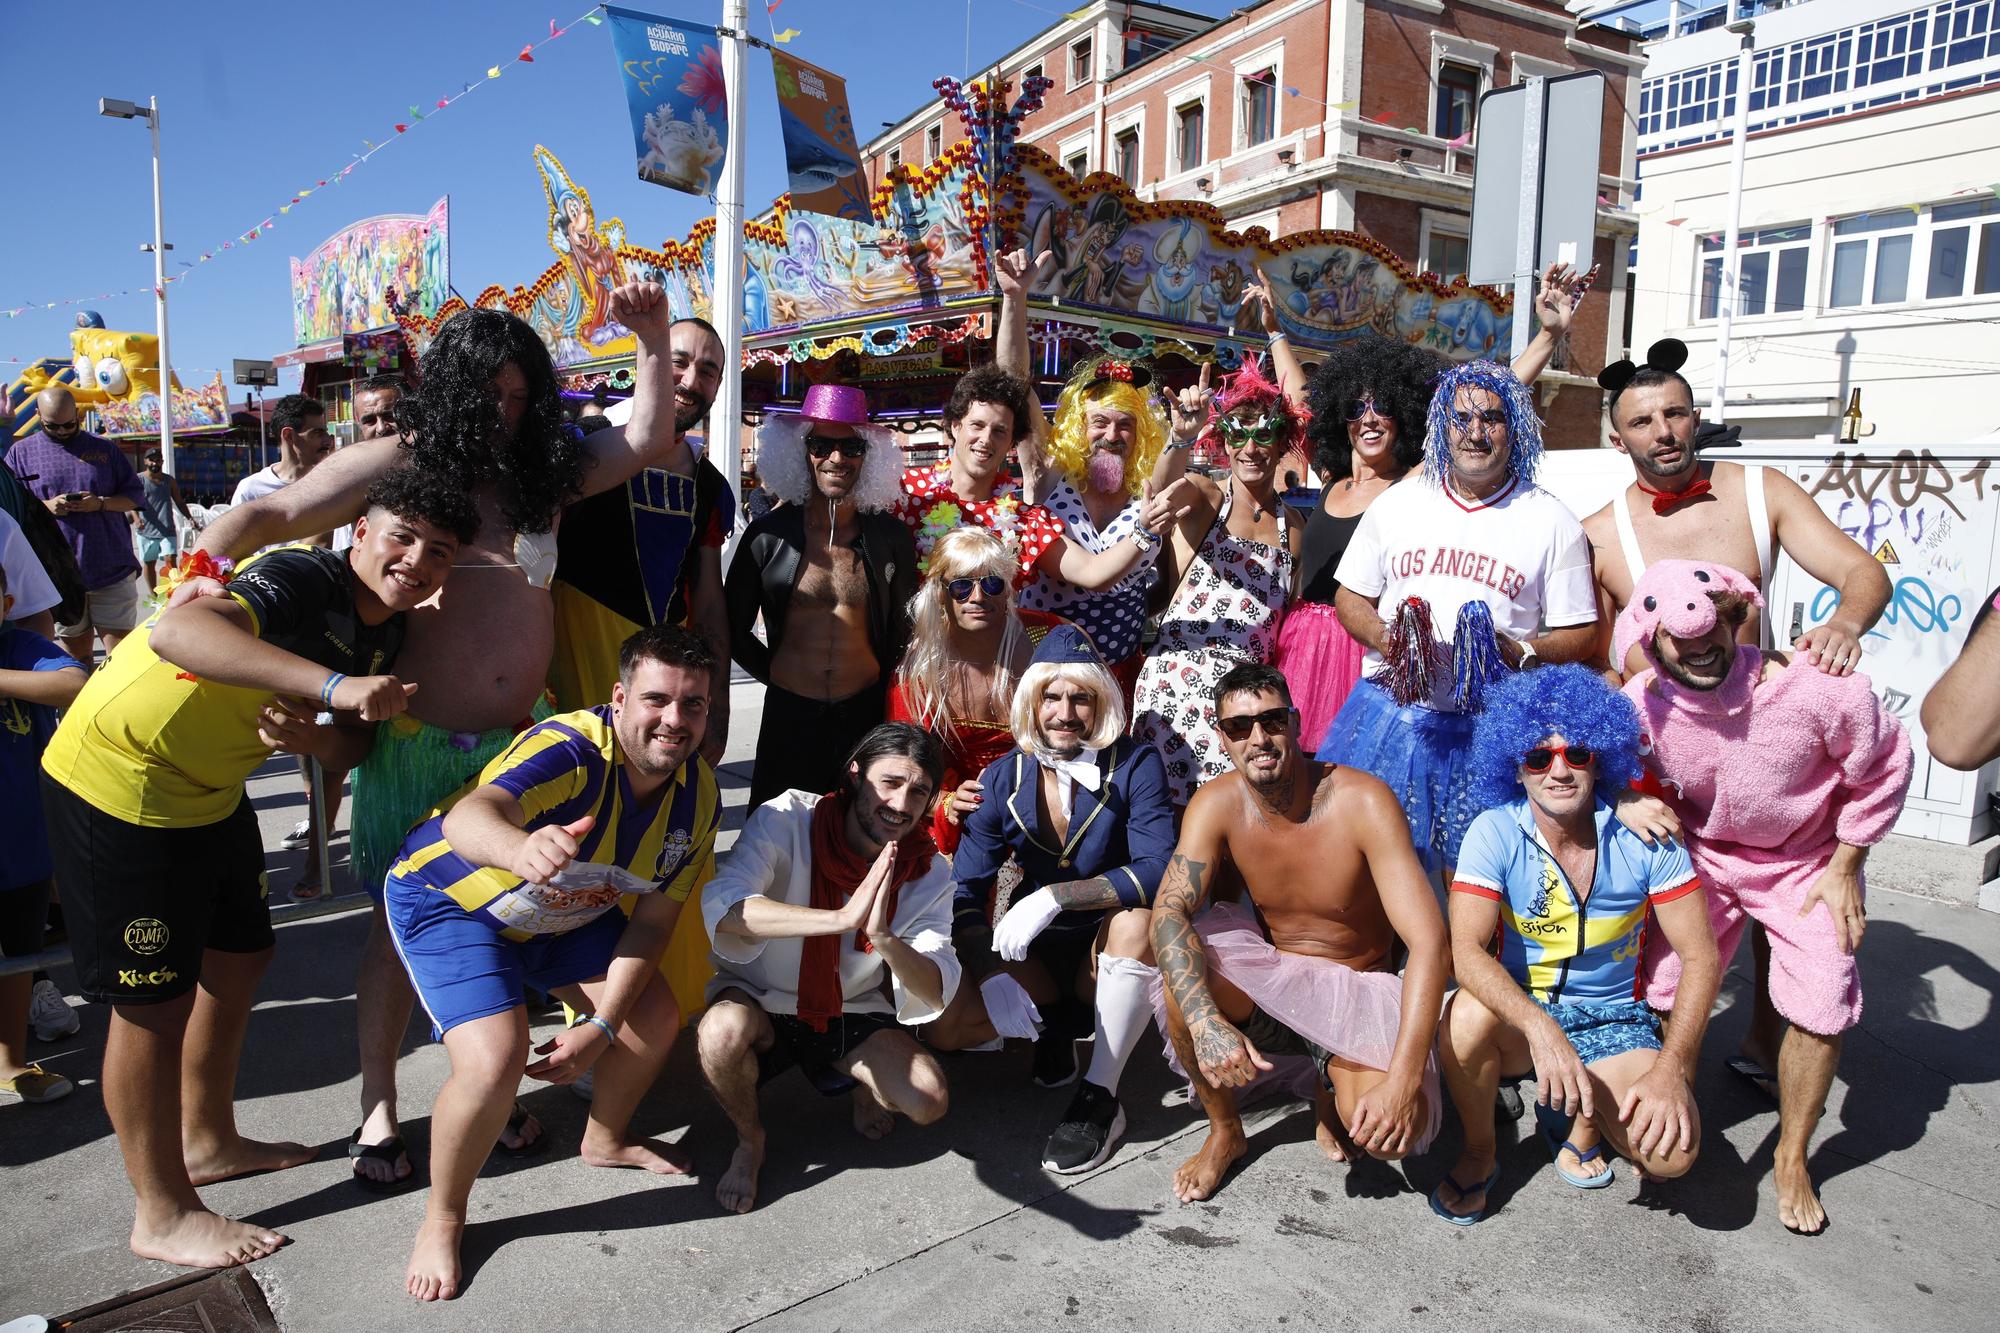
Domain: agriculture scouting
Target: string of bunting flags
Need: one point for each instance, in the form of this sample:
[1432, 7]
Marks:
[415, 115]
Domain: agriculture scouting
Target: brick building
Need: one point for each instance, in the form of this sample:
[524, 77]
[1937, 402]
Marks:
[1295, 115]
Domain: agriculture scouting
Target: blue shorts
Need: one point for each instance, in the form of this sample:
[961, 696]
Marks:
[463, 969]
[1600, 1029]
[152, 548]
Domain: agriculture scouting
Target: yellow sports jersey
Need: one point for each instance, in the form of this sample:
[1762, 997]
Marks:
[560, 770]
[148, 743]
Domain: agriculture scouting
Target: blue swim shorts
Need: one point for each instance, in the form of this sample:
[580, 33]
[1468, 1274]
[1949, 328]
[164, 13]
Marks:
[1601, 1029]
[463, 969]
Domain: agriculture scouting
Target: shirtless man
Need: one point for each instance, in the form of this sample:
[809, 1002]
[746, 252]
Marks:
[832, 572]
[1679, 507]
[488, 412]
[1325, 859]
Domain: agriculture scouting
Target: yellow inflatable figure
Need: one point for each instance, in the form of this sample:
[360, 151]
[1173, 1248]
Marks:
[111, 367]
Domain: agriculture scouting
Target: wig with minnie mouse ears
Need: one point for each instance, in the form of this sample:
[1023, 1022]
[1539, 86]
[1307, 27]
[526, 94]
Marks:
[1524, 427]
[1664, 359]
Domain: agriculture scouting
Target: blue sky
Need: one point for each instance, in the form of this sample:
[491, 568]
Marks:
[260, 100]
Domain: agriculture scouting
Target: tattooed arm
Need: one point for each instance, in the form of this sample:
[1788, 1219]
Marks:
[1222, 1057]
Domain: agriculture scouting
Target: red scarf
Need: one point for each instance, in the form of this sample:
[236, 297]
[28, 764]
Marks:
[837, 871]
[1665, 500]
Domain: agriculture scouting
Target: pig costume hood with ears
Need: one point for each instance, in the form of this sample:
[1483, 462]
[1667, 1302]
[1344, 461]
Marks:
[1675, 594]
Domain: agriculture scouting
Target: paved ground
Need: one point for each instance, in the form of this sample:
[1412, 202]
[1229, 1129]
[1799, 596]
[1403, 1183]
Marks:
[955, 1225]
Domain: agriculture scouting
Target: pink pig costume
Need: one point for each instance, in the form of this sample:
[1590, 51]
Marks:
[1769, 776]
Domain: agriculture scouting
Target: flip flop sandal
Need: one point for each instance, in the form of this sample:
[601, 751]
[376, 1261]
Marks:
[385, 1152]
[1754, 1074]
[1554, 1129]
[1463, 1219]
[518, 1118]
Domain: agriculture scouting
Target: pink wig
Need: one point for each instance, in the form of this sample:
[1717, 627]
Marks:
[1249, 387]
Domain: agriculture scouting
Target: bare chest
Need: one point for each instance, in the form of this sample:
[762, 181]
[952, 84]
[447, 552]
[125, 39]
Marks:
[832, 580]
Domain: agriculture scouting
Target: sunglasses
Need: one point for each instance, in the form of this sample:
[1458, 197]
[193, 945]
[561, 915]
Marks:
[825, 446]
[990, 584]
[1263, 430]
[1362, 407]
[1238, 728]
[1542, 757]
[62, 427]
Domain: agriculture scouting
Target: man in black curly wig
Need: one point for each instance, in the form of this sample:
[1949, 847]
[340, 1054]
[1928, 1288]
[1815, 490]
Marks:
[487, 413]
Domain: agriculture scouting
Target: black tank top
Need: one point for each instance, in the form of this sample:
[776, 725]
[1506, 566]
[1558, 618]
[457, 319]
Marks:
[1324, 543]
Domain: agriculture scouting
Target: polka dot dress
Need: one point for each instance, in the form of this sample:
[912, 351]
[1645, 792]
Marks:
[1115, 618]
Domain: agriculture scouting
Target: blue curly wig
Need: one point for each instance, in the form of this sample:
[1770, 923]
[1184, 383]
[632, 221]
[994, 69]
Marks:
[1524, 710]
[1524, 427]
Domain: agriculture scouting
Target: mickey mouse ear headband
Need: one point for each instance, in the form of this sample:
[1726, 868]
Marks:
[1115, 370]
[1668, 354]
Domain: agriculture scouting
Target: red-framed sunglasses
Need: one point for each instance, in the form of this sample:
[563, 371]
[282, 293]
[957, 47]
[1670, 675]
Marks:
[1543, 757]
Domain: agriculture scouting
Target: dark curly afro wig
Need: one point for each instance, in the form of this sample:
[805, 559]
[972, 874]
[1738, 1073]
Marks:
[1397, 375]
[453, 426]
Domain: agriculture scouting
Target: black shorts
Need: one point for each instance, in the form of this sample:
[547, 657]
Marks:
[1065, 950]
[1271, 1037]
[793, 1042]
[143, 903]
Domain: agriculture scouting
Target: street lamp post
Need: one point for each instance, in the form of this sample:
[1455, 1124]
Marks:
[150, 113]
[1732, 262]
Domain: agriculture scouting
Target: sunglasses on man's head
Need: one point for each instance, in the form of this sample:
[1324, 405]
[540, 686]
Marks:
[1238, 728]
[990, 584]
[825, 446]
[1543, 757]
[1362, 407]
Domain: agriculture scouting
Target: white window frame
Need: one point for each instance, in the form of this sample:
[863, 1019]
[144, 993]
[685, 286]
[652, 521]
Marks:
[1030, 71]
[1975, 224]
[936, 128]
[1448, 47]
[1432, 223]
[1522, 65]
[1074, 146]
[1916, 292]
[895, 159]
[1196, 90]
[1135, 121]
[1774, 248]
[1271, 57]
[1070, 82]
[1267, 219]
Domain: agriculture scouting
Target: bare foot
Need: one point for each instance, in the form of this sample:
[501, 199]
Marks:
[434, 1271]
[197, 1238]
[737, 1190]
[1201, 1175]
[1799, 1208]
[241, 1157]
[1470, 1172]
[871, 1119]
[662, 1159]
[1326, 1126]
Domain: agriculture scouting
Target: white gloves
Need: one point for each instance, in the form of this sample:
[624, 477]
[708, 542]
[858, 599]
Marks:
[1025, 919]
[1009, 1009]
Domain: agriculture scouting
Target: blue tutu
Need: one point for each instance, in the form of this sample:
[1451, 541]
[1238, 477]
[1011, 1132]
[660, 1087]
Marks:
[1421, 754]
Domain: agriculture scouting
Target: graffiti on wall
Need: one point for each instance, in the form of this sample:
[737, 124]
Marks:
[343, 286]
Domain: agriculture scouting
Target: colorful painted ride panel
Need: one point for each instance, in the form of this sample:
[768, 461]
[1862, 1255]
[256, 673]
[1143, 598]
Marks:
[344, 285]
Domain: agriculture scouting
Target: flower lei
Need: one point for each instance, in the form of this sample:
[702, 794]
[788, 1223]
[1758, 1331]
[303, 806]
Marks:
[194, 565]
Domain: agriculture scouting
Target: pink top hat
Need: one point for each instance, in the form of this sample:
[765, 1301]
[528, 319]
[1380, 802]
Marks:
[841, 404]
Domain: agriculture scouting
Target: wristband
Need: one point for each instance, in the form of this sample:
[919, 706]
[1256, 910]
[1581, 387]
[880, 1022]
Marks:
[1142, 539]
[1177, 443]
[1279, 337]
[332, 684]
[609, 1035]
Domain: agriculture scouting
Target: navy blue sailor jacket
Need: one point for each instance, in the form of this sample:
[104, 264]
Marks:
[1123, 831]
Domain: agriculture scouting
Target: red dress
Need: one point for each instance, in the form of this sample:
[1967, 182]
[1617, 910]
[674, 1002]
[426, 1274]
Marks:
[974, 744]
[930, 508]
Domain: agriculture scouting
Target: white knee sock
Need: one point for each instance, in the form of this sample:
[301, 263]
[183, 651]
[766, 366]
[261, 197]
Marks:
[1124, 1012]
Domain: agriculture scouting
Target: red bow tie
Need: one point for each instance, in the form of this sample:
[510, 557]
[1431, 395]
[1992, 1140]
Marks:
[1665, 500]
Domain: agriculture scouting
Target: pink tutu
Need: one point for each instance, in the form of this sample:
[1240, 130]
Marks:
[1355, 1015]
[1321, 662]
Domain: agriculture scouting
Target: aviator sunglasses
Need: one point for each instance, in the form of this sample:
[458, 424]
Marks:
[1543, 757]
[990, 584]
[1238, 728]
[825, 446]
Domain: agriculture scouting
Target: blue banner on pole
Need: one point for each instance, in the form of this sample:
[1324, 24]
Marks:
[672, 75]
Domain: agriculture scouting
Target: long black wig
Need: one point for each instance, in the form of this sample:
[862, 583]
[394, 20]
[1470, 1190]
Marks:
[453, 426]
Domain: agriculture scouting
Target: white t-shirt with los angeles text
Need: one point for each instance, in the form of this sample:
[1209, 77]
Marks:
[1521, 552]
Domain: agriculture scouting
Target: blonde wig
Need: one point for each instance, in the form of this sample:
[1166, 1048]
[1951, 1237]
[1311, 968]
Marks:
[787, 473]
[962, 553]
[1095, 677]
[1069, 446]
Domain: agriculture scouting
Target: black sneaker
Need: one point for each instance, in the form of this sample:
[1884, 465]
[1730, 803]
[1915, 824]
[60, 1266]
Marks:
[1055, 1060]
[300, 835]
[1089, 1131]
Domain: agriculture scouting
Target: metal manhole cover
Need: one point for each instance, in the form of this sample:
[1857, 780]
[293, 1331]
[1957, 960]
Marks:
[229, 1301]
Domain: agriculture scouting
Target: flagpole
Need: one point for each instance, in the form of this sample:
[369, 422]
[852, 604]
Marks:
[725, 435]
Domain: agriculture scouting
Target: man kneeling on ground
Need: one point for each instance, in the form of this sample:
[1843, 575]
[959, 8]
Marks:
[1084, 809]
[832, 930]
[157, 849]
[1566, 889]
[1305, 966]
[517, 881]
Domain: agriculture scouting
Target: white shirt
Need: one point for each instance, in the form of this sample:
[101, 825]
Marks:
[265, 480]
[1522, 553]
[27, 582]
[772, 858]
